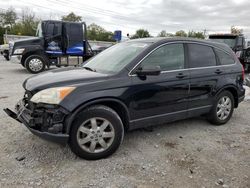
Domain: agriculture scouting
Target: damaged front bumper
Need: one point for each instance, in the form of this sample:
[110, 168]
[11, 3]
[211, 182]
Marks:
[43, 121]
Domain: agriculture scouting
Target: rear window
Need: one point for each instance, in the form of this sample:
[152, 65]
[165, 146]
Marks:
[224, 58]
[201, 56]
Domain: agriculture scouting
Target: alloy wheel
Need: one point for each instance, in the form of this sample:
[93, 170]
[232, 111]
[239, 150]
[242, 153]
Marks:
[95, 135]
[224, 107]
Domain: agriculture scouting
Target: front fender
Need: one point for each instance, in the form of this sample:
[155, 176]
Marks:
[33, 50]
[69, 120]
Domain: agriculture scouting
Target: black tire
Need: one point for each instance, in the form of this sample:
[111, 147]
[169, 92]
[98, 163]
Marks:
[7, 57]
[215, 119]
[105, 113]
[31, 60]
[22, 63]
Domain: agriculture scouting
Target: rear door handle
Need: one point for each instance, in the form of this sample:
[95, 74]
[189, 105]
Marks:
[181, 75]
[218, 71]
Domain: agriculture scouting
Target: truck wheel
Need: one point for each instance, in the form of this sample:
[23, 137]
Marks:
[222, 109]
[96, 133]
[35, 63]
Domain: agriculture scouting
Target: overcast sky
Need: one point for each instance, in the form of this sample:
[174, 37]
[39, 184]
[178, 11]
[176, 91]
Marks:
[154, 15]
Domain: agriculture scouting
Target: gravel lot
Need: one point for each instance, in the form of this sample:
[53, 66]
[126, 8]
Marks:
[189, 153]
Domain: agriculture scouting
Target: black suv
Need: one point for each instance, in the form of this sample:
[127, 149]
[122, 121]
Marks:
[133, 84]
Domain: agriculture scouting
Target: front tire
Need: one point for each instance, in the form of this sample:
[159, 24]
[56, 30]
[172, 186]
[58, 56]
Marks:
[35, 63]
[7, 57]
[96, 133]
[22, 63]
[222, 109]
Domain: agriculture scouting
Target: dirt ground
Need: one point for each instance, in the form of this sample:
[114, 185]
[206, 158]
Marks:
[190, 153]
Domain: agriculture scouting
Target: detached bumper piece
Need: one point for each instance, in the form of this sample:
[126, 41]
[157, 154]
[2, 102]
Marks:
[45, 121]
[11, 114]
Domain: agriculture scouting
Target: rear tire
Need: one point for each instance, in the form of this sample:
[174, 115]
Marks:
[96, 133]
[222, 109]
[35, 63]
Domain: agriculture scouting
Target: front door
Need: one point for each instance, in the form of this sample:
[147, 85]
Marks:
[53, 37]
[161, 98]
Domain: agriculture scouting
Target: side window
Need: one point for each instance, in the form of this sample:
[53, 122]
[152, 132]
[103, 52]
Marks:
[57, 29]
[50, 29]
[74, 30]
[201, 56]
[168, 57]
[224, 58]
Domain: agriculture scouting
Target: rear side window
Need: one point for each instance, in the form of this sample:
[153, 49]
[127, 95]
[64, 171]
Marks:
[201, 56]
[224, 58]
[74, 30]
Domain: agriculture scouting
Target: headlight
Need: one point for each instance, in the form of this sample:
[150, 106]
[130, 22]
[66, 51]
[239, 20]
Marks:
[52, 95]
[19, 51]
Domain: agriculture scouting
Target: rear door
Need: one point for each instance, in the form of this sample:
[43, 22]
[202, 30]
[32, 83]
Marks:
[204, 77]
[74, 39]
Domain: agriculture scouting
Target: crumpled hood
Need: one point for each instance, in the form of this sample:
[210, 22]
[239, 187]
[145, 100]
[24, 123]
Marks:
[61, 77]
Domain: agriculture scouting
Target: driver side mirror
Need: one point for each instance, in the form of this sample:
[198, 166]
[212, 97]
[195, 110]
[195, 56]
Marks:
[148, 71]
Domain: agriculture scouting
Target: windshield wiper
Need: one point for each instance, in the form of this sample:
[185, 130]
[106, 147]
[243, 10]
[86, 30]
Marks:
[90, 69]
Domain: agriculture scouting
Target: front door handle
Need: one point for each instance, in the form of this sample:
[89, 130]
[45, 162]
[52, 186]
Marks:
[181, 75]
[218, 71]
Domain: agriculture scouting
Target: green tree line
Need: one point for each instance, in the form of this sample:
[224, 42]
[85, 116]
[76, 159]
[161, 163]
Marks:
[27, 23]
[12, 24]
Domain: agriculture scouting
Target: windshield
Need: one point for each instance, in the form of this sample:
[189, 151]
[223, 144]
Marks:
[230, 42]
[115, 58]
[39, 30]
